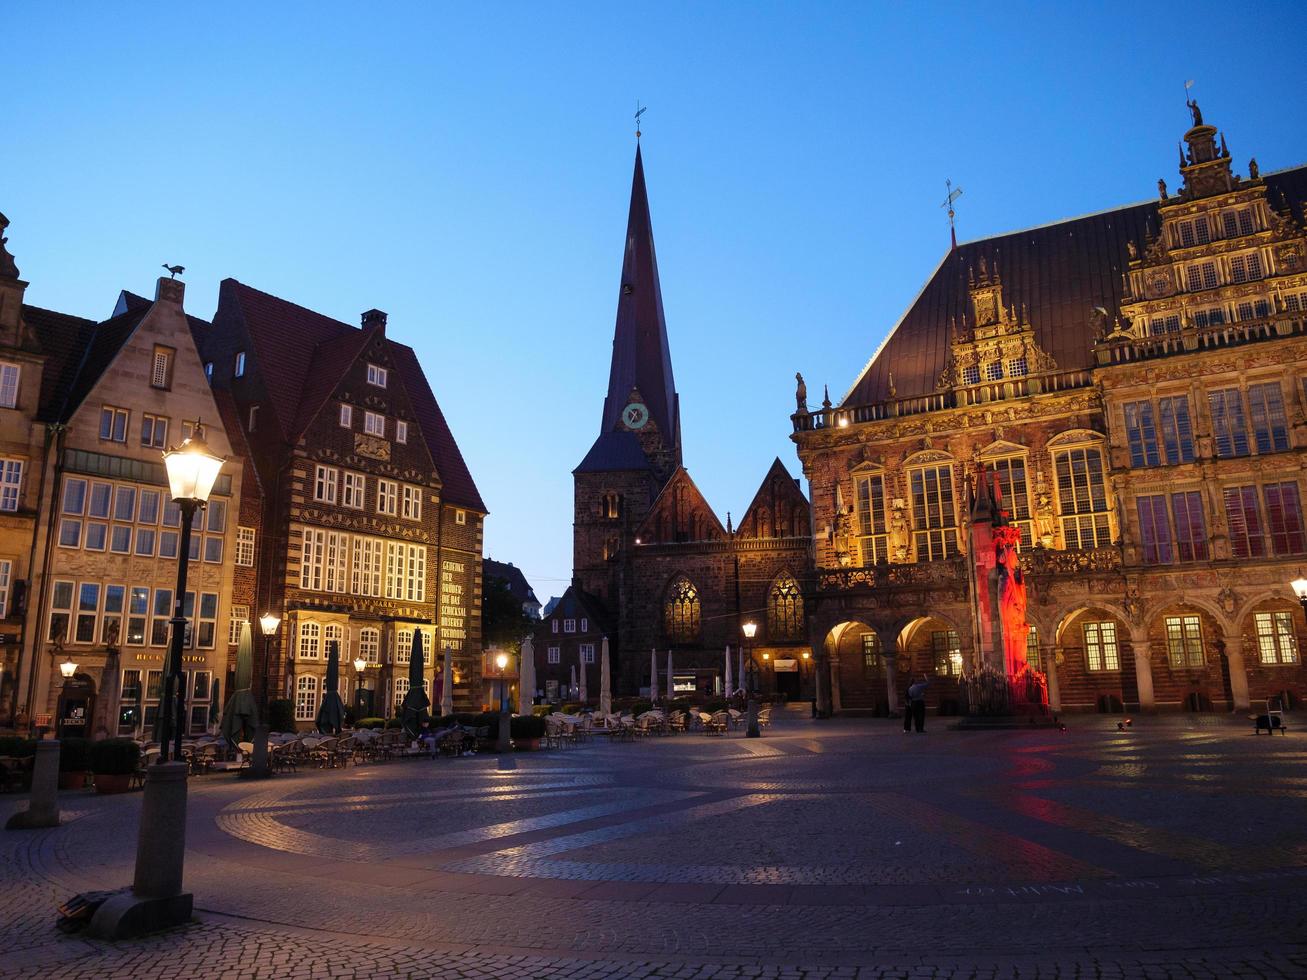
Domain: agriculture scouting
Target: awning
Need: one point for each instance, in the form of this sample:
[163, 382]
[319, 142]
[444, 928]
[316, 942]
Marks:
[785, 666]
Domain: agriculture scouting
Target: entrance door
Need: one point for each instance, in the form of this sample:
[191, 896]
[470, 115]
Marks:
[76, 707]
[788, 683]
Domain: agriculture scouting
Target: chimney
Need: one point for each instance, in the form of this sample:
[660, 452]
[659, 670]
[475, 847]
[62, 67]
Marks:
[170, 291]
[375, 318]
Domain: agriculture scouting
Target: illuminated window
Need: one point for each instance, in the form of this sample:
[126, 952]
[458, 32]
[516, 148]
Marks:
[681, 614]
[1184, 641]
[1277, 643]
[785, 609]
[306, 697]
[933, 514]
[946, 648]
[871, 655]
[310, 647]
[873, 537]
[1011, 472]
[1082, 498]
[370, 645]
[240, 615]
[1032, 649]
[1101, 652]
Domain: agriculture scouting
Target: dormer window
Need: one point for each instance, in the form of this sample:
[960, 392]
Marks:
[346, 415]
[161, 368]
[1017, 367]
[401, 431]
[377, 375]
[238, 369]
[1193, 232]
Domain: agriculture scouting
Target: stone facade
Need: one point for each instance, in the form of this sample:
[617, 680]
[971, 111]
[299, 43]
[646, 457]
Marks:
[1133, 380]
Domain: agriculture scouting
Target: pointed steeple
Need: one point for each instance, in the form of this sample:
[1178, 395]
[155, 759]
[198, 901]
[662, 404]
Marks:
[642, 359]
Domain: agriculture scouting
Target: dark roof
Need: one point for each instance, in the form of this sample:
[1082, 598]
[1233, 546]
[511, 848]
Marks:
[303, 355]
[63, 340]
[641, 355]
[613, 451]
[576, 602]
[511, 576]
[1060, 272]
[251, 485]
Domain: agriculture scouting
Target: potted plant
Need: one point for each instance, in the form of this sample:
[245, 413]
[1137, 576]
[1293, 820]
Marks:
[113, 761]
[74, 762]
[526, 732]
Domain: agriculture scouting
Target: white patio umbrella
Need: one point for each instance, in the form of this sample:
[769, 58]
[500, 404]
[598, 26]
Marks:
[727, 689]
[447, 684]
[605, 681]
[669, 677]
[526, 678]
[571, 688]
[582, 694]
[739, 663]
[653, 676]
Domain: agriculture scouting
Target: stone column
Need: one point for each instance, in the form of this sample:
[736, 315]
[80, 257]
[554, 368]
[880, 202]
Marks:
[822, 677]
[892, 682]
[1048, 657]
[835, 685]
[43, 805]
[1238, 673]
[1143, 673]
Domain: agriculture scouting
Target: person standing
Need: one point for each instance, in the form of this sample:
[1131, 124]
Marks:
[914, 712]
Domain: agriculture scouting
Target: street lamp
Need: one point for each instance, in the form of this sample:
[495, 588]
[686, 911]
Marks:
[501, 743]
[360, 665]
[1299, 586]
[68, 669]
[751, 674]
[192, 472]
[259, 768]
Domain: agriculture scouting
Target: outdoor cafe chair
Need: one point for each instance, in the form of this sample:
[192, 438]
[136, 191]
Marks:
[764, 717]
[717, 723]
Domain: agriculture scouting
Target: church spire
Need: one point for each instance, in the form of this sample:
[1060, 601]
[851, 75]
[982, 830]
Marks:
[642, 359]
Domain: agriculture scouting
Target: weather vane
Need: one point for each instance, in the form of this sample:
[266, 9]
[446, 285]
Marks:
[953, 195]
[639, 111]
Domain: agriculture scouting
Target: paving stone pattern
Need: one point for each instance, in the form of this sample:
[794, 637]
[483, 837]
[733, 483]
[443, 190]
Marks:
[833, 849]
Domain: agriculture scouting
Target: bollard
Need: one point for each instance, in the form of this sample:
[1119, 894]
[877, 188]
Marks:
[43, 805]
[156, 900]
[505, 725]
[258, 768]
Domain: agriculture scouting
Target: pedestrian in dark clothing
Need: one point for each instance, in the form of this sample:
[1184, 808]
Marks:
[914, 712]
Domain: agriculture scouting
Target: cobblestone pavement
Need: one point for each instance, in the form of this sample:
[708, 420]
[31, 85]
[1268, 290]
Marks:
[823, 850]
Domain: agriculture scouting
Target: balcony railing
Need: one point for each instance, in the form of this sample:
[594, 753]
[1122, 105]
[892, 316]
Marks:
[1046, 561]
[1192, 339]
[931, 574]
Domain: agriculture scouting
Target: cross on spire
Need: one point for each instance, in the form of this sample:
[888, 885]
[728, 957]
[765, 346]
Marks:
[952, 195]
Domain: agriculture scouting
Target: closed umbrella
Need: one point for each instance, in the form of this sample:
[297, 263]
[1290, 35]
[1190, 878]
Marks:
[214, 700]
[669, 678]
[728, 671]
[526, 678]
[739, 663]
[447, 688]
[413, 709]
[605, 681]
[331, 713]
[581, 693]
[241, 716]
[653, 676]
[571, 687]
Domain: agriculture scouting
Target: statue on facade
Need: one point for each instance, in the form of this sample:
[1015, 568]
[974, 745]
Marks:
[1011, 598]
[1194, 111]
[801, 394]
[1161, 188]
[1253, 169]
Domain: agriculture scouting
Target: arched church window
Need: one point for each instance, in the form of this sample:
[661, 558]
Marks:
[681, 614]
[785, 609]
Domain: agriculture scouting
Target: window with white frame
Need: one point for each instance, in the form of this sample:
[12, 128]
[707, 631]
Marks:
[313, 558]
[6, 569]
[406, 571]
[138, 612]
[460, 517]
[585, 625]
[336, 565]
[370, 644]
[88, 610]
[367, 566]
[346, 415]
[240, 615]
[374, 424]
[555, 655]
[111, 622]
[377, 375]
[1011, 472]
[61, 611]
[161, 367]
[1277, 643]
[1101, 651]
[569, 626]
[324, 484]
[387, 497]
[403, 646]
[9, 376]
[206, 621]
[1184, 641]
[1082, 498]
[154, 431]
[310, 644]
[113, 424]
[335, 633]
[401, 431]
[934, 516]
[306, 697]
[411, 503]
[161, 613]
[238, 369]
[553, 623]
[873, 530]
[587, 653]
[11, 484]
[245, 546]
[401, 691]
[352, 487]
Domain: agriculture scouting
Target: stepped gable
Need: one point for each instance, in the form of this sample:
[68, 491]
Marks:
[779, 509]
[1058, 273]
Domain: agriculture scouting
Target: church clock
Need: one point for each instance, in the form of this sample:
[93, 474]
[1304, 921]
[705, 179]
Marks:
[635, 415]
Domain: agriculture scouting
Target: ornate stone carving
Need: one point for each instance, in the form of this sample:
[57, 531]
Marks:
[371, 447]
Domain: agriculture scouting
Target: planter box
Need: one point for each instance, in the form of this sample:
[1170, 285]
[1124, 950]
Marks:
[112, 782]
[72, 780]
[527, 744]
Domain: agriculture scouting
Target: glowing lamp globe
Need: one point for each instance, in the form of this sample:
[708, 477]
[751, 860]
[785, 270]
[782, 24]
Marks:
[359, 664]
[749, 630]
[269, 622]
[501, 661]
[1300, 587]
[192, 468]
[68, 669]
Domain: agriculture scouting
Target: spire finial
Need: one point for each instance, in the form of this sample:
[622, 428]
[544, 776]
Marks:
[639, 111]
[949, 198]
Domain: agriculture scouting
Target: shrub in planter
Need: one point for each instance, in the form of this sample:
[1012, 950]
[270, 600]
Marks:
[281, 715]
[527, 731]
[74, 762]
[540, 710]
[113, 760]
[17, 747]
[640, 706]
[370, 723]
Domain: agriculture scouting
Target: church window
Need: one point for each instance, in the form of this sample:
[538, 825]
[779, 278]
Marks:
[1154, 529]
[994, 371]
[1141, 432]
[611, 506]
[1276, 641]
[1229, 430]
[1164, 324]
[681, 613]
[1270, 426]
[933, 513]
[785, 609]
[947, 650]
[971, 375]
[1190, 526]
[1184, 641]
[1082, 498]
[871, 655]
[1101, 652]
[1011, 472]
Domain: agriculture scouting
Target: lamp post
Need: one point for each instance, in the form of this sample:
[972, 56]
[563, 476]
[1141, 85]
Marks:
[751, 679]
[360, 665]
[259, 768]
[501, 744]
[192, 472]
[1299, 586]
[156, 900]
[68, 669]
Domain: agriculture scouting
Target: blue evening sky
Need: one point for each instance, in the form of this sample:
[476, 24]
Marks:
[467, 169]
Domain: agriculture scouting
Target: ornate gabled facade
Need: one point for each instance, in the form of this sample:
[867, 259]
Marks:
[1133, 382]
[647, 547]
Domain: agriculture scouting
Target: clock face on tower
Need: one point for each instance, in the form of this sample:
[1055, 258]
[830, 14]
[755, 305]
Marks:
[635, 415]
